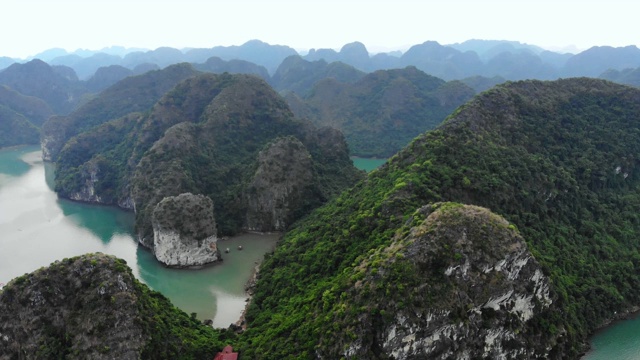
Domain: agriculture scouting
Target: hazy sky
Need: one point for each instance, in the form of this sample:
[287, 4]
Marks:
[31, 26]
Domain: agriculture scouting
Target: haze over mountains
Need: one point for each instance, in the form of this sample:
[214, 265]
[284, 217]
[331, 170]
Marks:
[509, 59]
[65, 81]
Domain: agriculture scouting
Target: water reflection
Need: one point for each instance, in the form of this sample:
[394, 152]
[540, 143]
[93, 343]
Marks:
[100, 220]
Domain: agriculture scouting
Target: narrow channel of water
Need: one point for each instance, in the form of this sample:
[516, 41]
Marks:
[37, 228]
[367, 164]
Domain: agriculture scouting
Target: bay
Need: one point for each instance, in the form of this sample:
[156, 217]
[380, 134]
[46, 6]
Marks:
[37, 228]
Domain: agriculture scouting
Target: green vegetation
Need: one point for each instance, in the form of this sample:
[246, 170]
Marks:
[173, 333]
[57, 86]
[382, 112]
[203, 137]
[133, 94]
[34, 109]
[15, 129]
[559, 160]
[20, 117]
[299, 76]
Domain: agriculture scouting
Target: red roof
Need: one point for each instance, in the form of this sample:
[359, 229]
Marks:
[226, 354]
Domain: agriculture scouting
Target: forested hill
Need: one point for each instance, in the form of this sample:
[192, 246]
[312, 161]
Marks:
[230, 137]
[20, 117]
[559, 160]
[383, 111]
[133, 94]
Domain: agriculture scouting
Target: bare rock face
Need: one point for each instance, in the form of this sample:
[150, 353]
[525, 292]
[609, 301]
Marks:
[184, 231]
[280, 185]
[470, 289]
[52, 140]
[90, 176]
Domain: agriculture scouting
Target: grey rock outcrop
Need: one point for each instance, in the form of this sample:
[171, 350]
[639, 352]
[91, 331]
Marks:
[184, 231]
[52, 140]
[87, 193]
[481, 293]
[279, 186]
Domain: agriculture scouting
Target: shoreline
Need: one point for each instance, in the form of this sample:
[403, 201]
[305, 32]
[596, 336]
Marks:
[249, 286]
[625, 315]
[241, 324]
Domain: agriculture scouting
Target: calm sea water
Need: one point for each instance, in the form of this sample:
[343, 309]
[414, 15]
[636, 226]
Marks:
[620, 341]
[367, 164]
[37, 228]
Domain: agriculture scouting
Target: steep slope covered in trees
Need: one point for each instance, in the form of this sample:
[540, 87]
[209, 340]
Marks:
[15, 129]
[206, 137]
[58, 86]
[299, 76]
[33, 108]
[558, 160]
[383, 111]
[21, 117]
[133, 94]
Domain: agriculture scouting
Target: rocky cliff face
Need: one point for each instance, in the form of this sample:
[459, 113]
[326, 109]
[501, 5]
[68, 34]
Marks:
[184, 231]
[280, 185]
[76, 309]
[460, 284]
[87, 192]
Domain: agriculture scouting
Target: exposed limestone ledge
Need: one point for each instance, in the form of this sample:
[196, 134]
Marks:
[184, 231]
[280, 186]
[471, 289]
[494, 286]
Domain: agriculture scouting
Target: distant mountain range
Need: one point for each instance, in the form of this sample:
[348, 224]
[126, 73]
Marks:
[67, 81]
[511, 60]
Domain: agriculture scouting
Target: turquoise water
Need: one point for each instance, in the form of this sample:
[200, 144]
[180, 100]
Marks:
[367, 164]
[37, 228]
[620, 341]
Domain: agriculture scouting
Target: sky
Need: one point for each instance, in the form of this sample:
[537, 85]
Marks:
[28, 27]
